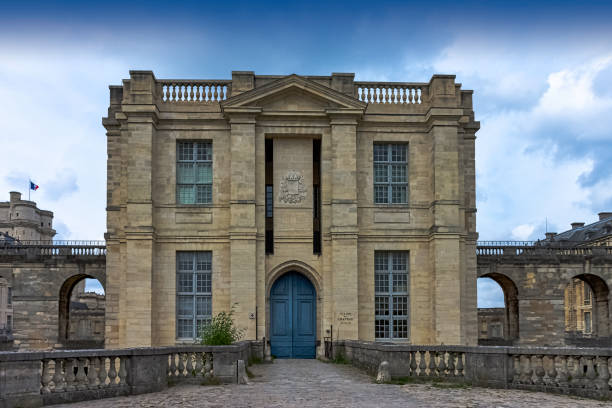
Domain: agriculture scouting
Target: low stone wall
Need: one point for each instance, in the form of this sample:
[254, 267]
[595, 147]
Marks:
[33, 379]
[577, 371]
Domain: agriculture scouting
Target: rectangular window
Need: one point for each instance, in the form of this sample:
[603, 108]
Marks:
[587, 322]
[390, 173]
[193, 292]
[9, 299]
[9, 322]
[194, 172]
[391, 299]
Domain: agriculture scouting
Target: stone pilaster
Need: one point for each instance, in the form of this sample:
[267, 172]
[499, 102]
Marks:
[141, 122]
[449, 270]
[344, 229]
[243, 228]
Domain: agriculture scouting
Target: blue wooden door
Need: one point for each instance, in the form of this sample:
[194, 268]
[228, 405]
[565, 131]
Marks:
[293, 317]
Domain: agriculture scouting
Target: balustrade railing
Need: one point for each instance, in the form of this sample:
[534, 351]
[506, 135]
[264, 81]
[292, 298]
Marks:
[194, 91]
[399, 93]
[65, 374]
[538, 250]
[55, 248]
[577, 371]
[198, 365]
[432, 363]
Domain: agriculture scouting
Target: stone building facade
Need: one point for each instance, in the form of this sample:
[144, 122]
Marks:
[491, 324]
[314, 206]
[86, 320]
[6, 306]
[22, 220]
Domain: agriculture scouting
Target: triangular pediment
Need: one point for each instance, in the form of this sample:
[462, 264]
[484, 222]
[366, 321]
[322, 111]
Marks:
[293, 94]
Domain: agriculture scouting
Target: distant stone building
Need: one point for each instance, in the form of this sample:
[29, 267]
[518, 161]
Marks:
[491, 323]
[86, 320]
[6, 306]
[578, 293]
[22, 220]
[314, 206]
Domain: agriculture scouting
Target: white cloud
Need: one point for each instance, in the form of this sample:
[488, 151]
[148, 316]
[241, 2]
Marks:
[489, 293]
[540, 119]
[522, 232]
[52, 132]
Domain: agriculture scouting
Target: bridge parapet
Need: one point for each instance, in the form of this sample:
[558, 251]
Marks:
[44, 249]
[497, 249]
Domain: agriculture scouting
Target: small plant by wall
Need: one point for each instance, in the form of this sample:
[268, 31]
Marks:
[221, 330]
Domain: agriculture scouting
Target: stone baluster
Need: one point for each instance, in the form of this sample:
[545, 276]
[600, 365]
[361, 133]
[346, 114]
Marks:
[432, 363]
[413, 363]
[460, 364]
[123, 371]
[516, 365]
[539, 369]
[92, 375]
[198, 363]
[189, 366]
[181, 365]
[577, 375]
[198, 94]
[451, 364]
[173, 364]
[207, 365]
[69, 377]
[527, 372]
[81, 378]
[603, 374]
[422, 365]
[441, 364]
[192, 93]
[209, 94]
[216, 93]
[590, 375]
[563, 374]
[58, 376]
[102, 374]
[46, 377]
[222, 93]
[551, 373]
[112, 372]
[173, 85]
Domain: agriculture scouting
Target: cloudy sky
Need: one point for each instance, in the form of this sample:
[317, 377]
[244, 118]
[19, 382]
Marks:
[541, 74]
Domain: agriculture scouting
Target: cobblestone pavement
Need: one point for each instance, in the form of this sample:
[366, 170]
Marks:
[311, 383]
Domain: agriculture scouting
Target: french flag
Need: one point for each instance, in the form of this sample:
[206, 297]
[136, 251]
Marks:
[33, 186]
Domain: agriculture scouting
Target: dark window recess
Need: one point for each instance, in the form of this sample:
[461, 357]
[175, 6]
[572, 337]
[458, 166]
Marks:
[269, 201]
[316, 196]
[269, 197]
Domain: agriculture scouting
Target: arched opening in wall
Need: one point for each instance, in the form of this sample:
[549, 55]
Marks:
[81, 313]
[497, 298]
[586, 305]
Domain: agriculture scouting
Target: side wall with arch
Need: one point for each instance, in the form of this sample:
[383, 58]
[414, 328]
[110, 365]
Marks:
[540, 287]
[41, 293]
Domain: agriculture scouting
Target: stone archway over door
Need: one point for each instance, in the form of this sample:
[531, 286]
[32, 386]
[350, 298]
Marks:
[293, 317]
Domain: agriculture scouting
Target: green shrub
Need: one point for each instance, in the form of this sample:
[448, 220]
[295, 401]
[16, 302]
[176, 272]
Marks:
[221, 330]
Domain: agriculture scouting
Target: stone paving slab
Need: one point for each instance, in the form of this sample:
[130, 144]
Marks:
[311, 383]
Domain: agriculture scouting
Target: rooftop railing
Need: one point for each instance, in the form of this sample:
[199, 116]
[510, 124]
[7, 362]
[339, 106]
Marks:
[193, 90]
[398, 93]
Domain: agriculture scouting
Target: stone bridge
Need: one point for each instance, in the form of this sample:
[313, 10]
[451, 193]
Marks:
[42, 278]
[533, 278]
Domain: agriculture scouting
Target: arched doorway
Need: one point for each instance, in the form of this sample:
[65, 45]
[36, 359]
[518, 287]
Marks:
[502, 327]
[586, 308]
[293, 317]
[81, 312]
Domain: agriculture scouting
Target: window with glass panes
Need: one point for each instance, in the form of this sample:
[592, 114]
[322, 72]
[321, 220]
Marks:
[390, 173]
[193, 292]
[391, 284]
[194, 173]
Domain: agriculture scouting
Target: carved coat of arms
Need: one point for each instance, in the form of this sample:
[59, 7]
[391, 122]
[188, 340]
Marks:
[292, 190]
